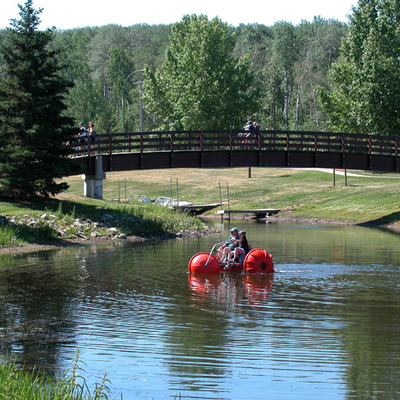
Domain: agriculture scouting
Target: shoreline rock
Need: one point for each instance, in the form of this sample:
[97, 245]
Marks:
[113, 236]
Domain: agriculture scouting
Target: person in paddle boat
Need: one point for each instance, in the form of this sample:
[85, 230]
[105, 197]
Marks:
[240, 251]
[229, 245]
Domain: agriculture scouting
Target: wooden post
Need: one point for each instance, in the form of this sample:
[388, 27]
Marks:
[345, 175]
[220, 199]
[177, 193]
[249, 172]
[229, 205]
[119, 192]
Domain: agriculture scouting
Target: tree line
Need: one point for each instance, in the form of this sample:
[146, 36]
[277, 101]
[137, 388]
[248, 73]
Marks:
[210, 68]
[322, 75]
[279, 67]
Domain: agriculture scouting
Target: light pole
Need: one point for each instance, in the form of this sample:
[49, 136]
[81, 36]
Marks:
[123, 102]
[141, 103]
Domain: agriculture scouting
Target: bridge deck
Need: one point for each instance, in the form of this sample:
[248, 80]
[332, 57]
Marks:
[212, 149]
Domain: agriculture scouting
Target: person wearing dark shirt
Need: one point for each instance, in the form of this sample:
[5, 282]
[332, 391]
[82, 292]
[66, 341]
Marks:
[229, 245]
[242, 249]
[82, 135]
[256, 129]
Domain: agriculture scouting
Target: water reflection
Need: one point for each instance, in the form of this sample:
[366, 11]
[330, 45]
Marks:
[324, 326]
[231, 288]
[31, 333]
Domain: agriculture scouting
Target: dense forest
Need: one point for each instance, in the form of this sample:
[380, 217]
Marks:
[289, 63]
[195, 74]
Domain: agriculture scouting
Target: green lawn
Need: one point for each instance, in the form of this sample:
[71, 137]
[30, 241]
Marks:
[297, 193]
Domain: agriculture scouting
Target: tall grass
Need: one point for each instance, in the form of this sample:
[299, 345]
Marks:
[9, 236]
[17, 384]
[18, 234]
[91, 218]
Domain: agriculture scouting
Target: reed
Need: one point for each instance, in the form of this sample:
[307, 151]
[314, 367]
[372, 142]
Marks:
[9, 236]
[18, 384]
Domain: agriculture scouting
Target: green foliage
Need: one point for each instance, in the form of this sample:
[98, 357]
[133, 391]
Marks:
[289, 62]
[201, 85]
[18, 384]
[364, 95]
[284, 65]
[9, 236]
[319, 48]
[19, 232]
[38, 223]
[33, 130]
[73, 48]
[98, 60]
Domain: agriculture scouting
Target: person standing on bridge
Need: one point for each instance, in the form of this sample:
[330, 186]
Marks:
[82, 134]
[249, 133]
[249, 128]
[256, 129]
[91, 132]
[254, 134]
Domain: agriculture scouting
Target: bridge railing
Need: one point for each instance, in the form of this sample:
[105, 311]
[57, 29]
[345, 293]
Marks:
[215, 140]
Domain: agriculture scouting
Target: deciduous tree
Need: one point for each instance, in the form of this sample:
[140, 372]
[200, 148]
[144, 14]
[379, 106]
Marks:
[201, 84]
[364, 96]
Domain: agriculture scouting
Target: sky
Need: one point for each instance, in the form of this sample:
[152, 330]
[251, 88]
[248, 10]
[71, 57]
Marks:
[69, 14]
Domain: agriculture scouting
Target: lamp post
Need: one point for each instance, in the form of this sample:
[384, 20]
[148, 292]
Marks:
[141, 103]
[123, 102]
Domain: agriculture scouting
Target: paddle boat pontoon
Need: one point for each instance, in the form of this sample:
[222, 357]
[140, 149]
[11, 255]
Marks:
[255, 261]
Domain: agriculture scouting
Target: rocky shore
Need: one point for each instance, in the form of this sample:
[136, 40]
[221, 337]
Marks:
[78, 232]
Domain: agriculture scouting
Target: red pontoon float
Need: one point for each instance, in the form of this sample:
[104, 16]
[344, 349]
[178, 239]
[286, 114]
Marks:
[255, 261]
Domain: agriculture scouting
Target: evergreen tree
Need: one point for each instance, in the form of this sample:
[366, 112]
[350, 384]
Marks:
[33, 130]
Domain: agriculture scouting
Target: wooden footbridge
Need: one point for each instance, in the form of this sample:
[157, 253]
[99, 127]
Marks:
[212, 149]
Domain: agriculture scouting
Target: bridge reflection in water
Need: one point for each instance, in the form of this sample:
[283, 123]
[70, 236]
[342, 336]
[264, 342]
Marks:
[197, 149]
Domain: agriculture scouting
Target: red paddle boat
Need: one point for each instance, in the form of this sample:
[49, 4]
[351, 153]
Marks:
[255, 261]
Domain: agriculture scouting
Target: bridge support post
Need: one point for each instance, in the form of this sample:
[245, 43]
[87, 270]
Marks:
[93, 184]
[88, 185]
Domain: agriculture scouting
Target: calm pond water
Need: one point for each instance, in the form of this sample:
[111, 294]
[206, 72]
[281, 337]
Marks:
[325, 326]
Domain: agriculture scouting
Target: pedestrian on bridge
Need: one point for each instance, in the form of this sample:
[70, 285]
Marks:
[82, 134]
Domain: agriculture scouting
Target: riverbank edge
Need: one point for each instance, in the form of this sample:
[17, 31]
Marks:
[392, 226]
[62, 243]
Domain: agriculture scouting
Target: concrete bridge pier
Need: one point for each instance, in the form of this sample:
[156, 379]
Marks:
[93, 184]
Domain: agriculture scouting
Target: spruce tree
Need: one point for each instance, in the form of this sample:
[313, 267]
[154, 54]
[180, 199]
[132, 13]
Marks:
[33, 127]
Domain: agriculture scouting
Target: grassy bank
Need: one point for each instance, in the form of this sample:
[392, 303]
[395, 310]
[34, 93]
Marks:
[299, 194]
[76, 217]
[17, 384]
